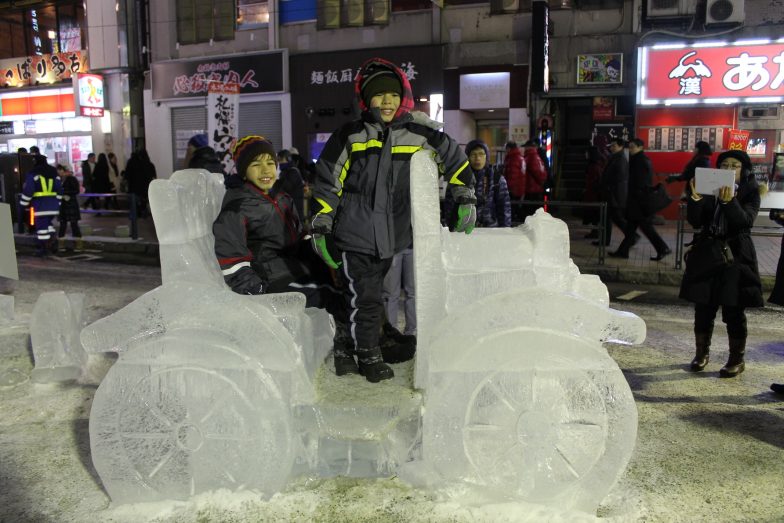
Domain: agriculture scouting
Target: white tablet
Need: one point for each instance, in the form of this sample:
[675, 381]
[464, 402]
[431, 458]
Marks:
[709, 181]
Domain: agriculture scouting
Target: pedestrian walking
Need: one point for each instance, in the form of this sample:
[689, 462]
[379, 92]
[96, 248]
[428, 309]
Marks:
[615, 187]
[140, 171]
[592, 192]
[69, 208]
[637, 213]
[41, 193]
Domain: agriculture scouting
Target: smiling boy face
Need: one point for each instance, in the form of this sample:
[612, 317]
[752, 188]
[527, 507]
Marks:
[262, 172]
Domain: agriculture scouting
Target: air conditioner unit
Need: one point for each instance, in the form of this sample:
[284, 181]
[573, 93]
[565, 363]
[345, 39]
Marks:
[752, 112]
[355, 13]
[330, 14]
[724, 12]
[670, 8]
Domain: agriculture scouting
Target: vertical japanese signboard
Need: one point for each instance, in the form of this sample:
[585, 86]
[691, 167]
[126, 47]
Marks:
[89, 94]
[223, 105]
[540, 46]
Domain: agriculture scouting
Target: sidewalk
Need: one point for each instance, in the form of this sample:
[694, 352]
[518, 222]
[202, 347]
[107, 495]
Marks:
[637, 269]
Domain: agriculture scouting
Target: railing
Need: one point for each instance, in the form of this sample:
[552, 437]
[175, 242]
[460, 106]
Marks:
[600, 227]
[130, 211]
[757, 230]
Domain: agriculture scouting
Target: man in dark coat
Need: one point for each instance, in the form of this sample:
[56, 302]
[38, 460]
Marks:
[640, 181]
[614, 186]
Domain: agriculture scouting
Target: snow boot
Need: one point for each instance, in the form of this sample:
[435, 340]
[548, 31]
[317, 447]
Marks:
[372, 366]
[396, 347]
[778, 388]
[79, 245]
[702, 340]
[61, 244]
[343, 351]
[735, 364]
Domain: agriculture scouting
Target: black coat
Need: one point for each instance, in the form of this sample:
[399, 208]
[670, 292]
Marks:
[69, 209]
[615, 180]
[205, 158]
[777, 294]
[738, 285]
[640, 181]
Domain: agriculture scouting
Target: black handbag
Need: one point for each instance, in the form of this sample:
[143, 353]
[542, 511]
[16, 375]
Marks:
[655, 200]
[707, 257]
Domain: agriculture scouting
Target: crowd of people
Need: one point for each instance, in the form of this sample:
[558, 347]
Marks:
[339, 231]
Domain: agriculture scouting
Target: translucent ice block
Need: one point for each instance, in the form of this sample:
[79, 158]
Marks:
[55, 324]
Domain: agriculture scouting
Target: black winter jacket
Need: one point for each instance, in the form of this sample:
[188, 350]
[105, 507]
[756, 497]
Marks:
[363, 176]
[615, 180]
[257, 237]
[739, 285]
[69, 208]
[640, 181]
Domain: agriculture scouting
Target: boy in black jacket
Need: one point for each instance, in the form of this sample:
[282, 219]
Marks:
[258, 235]
[363, 199]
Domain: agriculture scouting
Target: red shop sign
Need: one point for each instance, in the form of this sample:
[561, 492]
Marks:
[739, 140]
[711, 74]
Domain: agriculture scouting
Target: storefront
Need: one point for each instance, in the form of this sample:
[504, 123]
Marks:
[322, 89]
[710, 92]
[176, 107]
[37, 107]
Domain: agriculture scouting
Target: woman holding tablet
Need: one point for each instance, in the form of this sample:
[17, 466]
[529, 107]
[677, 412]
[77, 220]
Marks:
[725, 219]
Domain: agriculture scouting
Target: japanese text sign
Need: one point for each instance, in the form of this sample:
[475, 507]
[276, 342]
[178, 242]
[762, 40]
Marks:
[89, 93]
[738, 140]
[43, 69]
[223, 104]
[717, 73]
[254, 73]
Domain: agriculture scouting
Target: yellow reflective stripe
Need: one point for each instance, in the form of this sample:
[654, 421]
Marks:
[405, 149]
[46, 190]
[343, 174]
[325, 207]
[366, 145]
[454, 179]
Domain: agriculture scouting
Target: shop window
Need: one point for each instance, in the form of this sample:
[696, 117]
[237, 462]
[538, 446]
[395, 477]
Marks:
[204, 20]
[410, 5]
[13, 43]
[71, 24]
[252, 14]
[333, 14]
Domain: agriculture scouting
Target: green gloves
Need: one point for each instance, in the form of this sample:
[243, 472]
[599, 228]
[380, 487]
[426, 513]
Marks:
[321, 236]
[466, 208]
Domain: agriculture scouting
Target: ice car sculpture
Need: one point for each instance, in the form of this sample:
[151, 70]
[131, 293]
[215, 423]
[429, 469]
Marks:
[516, 396]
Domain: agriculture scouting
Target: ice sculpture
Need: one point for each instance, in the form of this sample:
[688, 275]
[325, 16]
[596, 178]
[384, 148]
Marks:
[6, 308]
[516, 397]
[55, 324]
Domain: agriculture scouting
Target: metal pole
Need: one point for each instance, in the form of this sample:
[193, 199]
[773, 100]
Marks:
[132, 216]
[602, 230]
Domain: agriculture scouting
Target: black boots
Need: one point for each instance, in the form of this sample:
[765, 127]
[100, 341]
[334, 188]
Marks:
[343, 352]
[372, 366]
[735, 364]
[702, 341]
[395, 346]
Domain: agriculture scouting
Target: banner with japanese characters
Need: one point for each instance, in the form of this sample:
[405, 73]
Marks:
[711, 73]
[223, 105]
[43, 69]
[739, 140]
[255, 73]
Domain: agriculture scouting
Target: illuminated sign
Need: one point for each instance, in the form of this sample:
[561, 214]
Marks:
[711, 73]
[44, 69]
[89, 94]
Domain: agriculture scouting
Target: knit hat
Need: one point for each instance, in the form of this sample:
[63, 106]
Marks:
[198, 141]
[381, 80]
[741, 156]
[476, 144]
[249, 148]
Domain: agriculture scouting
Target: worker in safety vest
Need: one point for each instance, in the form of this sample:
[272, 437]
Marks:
[41, 193]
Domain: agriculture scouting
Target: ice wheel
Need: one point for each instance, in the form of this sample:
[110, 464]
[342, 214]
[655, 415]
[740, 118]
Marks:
[534, 431]
[179, 430]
